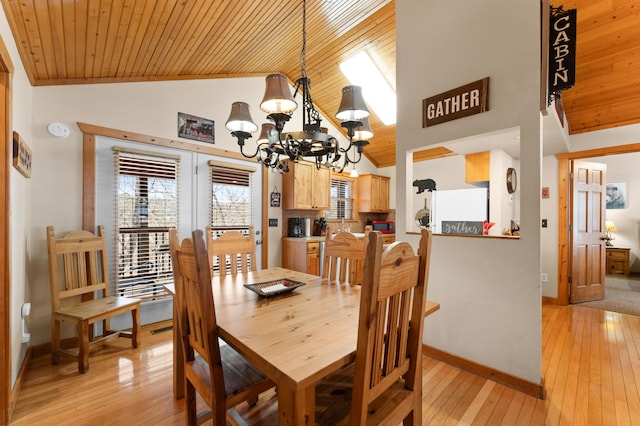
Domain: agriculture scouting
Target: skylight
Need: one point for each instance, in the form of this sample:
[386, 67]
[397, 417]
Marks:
[361, 71]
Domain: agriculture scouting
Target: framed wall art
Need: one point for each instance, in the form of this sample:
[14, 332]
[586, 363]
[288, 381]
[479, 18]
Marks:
[616, 195]
[21, 155]
[196, 128]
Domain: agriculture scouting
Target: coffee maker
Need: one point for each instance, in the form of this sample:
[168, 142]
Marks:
[296, 227]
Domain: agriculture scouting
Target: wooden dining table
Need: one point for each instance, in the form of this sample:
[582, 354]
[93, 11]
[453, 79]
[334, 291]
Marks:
[296, 339]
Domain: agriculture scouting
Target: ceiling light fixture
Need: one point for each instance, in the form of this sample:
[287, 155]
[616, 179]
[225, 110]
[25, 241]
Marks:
[313, 143]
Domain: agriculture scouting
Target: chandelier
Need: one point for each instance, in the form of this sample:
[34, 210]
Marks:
[313, 143]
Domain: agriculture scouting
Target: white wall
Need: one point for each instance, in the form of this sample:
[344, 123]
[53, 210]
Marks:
[20, 189]
[489, 289]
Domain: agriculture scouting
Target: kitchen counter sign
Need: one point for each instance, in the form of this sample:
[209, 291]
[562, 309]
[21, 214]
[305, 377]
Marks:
[562, 51]
[470, 99]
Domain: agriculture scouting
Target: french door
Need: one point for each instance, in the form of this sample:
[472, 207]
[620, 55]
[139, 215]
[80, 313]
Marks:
[141, 192]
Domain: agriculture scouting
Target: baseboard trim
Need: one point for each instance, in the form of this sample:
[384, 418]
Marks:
[530, 388]
[550, 300]
[15, 391]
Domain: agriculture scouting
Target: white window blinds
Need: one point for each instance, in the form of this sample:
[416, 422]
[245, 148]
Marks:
[231, 196]
[147, 207]
[341, 198]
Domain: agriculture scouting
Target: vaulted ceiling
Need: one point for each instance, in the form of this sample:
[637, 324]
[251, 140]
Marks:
[93, 41]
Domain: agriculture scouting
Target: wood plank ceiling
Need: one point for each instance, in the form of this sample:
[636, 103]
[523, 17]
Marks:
[107, 41]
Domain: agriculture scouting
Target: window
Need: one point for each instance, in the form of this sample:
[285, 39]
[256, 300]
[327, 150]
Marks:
[341, 198]
[231, 196]
[231, 199]
[147, 207]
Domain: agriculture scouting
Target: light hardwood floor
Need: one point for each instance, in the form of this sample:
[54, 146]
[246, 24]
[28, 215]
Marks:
[591, 366]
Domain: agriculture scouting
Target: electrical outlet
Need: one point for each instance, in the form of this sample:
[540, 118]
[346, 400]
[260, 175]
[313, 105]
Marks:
[544, 278]
[273, 222]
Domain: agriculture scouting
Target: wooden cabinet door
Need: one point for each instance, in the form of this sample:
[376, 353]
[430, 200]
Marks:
[305, 187]
[321, 188]
[478, 167]
[303, 183]
[373, 194]
[379, 194]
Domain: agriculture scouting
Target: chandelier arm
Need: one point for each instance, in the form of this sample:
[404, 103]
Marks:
[242, 137]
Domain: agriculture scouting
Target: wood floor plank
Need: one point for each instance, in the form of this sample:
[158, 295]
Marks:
[558, 368]
[573, 372]
[459, 388]
[478, 402]
[626, 371]
[591, 368]
[617, 379]
[489, 406]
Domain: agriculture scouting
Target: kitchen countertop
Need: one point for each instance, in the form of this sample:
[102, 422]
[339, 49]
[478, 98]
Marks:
[308, 239]
[320, 238]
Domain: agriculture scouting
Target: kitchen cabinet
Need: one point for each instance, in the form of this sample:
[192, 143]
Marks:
[478, 167]
[306, 187]
[373, 193]
[617, 261]
[389, 238]
[301, 254]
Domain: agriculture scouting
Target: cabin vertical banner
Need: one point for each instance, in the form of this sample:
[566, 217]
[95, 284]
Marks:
[562, 51]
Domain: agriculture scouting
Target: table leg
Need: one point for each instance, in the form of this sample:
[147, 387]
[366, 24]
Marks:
[296, 407]
[178, 358]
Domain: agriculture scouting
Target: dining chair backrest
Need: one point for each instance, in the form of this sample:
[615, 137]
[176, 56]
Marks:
[201, 325]
[214, 369]
[178, 300]
[232, 252]
[79, 285]
[343, 257]
[388, 354]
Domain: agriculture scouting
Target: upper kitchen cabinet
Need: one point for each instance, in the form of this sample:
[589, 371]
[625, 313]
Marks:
[478, 167]
[373, 193]
[305, 187]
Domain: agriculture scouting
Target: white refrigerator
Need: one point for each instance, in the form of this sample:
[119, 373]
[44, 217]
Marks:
[469, 205]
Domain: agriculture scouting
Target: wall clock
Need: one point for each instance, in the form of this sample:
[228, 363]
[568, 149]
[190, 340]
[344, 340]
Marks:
[512, 180]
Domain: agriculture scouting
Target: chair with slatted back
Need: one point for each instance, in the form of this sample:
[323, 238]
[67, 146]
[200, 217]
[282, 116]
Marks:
[233, 250]
[79, 283]
[221, 376]
[343, 257]
[384, 385]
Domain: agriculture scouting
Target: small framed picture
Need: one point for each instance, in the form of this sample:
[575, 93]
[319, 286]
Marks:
[195, 128]
[617, 195]
[275, 198]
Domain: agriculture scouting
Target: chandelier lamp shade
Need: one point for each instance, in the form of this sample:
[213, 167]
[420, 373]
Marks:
[313, 142]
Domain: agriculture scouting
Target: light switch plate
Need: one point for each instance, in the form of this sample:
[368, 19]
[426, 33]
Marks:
[273, 223]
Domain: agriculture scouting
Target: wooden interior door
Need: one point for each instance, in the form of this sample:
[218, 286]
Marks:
[587, 225]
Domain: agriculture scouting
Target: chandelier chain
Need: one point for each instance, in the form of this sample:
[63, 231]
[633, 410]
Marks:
[303, 53]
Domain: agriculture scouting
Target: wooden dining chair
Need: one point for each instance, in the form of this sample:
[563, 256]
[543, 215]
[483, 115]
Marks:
[384, 385]
[232, 252]
[221, 376]
[80, 294]
[343, 257]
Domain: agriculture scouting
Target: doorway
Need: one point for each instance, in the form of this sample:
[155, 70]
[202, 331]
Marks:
[564, 210]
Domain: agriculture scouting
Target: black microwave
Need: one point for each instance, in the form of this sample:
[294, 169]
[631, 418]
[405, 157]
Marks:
[383, 226]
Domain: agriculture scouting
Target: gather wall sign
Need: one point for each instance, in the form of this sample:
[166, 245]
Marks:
[463, 101]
